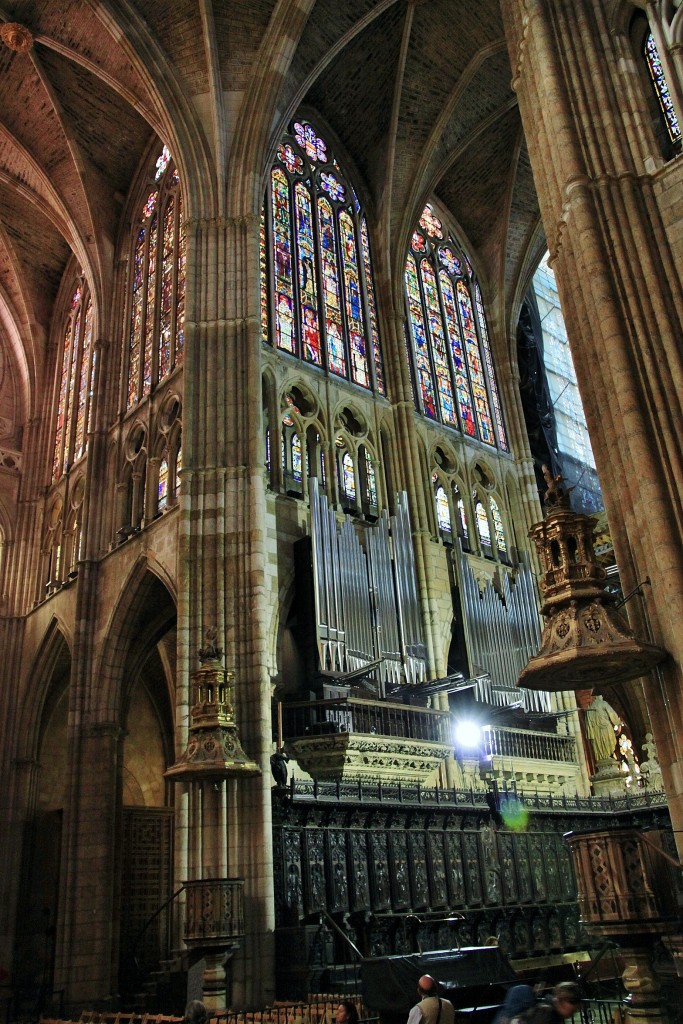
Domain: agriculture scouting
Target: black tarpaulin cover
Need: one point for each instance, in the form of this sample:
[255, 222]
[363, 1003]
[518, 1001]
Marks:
[466, 977]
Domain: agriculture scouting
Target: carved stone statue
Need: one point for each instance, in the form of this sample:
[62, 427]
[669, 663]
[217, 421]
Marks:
[650, 770]
[602, 724]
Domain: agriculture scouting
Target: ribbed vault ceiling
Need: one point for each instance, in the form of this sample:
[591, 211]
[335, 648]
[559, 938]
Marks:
[416, 97]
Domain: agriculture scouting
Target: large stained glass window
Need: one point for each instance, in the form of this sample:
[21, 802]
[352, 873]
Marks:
[450, 355]
[317, 292]
[156, 326]
[661, 88]
[76, 376]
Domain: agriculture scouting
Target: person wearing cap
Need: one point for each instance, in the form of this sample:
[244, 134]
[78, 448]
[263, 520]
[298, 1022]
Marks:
[518, 1000]
[431, 1008]
[563, 1003]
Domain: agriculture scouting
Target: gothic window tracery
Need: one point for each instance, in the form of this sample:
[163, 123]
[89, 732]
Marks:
[317, 292]
[450, 356]
[156, 321]
[661, 88]
[75, 383]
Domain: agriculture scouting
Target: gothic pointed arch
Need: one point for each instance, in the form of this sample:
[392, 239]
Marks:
[143, 614]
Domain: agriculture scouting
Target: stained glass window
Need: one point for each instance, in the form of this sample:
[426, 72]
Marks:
[348, 479]
[296, 457]
[453, 383]
[317, 293]
[483, 528]
[460, 505]
[370, 481]
[157, 307]
[498, 530]
[75, 384]
[178, 468]
[443, 513]
[661, 88]
[162, 489]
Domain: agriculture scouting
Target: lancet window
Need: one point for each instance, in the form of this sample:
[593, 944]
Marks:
[449, 350]
[317, 292]
[661, 88]
[451, 518]
[156, 322]
[76, 369]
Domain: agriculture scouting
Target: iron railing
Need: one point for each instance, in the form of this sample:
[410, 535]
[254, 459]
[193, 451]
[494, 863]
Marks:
[357, 715]
[528, 743]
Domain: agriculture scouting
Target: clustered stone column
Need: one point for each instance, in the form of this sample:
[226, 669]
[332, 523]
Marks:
[610, 237]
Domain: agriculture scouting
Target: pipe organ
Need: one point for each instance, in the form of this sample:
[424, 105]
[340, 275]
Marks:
[365, 595]
[502, 629]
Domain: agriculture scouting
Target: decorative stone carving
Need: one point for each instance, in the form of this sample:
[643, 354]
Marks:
[16, 37]
[344, 756]
[650, 770]
[585, 639]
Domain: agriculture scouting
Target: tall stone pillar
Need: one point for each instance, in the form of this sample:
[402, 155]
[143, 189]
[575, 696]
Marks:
[222, 558]
[611, 244]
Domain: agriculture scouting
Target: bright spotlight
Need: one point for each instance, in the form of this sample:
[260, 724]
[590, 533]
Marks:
[467, 735]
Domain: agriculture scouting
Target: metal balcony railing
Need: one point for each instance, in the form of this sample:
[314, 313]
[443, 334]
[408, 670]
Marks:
[506, 742]
[356, 715]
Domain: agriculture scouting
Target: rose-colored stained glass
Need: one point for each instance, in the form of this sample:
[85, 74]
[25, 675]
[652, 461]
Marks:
[332, 186]
[83, 384]
[282, 262]
[308, 299]
[488, 359]
[372, 310]
[180, 287]
[313, 146]
[134, 345]
[418, 243]
[166, 289]
[438, 340]
[360, 373]
[151, 305]
[462, 387]
[290, 159]
[431, 224]
[334, 335]
[422, 361]
[481, 402]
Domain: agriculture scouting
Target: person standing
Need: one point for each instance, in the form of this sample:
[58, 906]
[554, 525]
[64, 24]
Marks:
[431, 1008]
[564, 1001]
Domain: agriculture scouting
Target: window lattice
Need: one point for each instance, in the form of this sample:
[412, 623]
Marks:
[76, 381]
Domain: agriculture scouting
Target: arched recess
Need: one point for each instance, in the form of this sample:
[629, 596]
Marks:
[42, 763]
[136, 682]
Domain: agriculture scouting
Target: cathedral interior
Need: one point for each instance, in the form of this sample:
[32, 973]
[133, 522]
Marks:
[330, 630]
